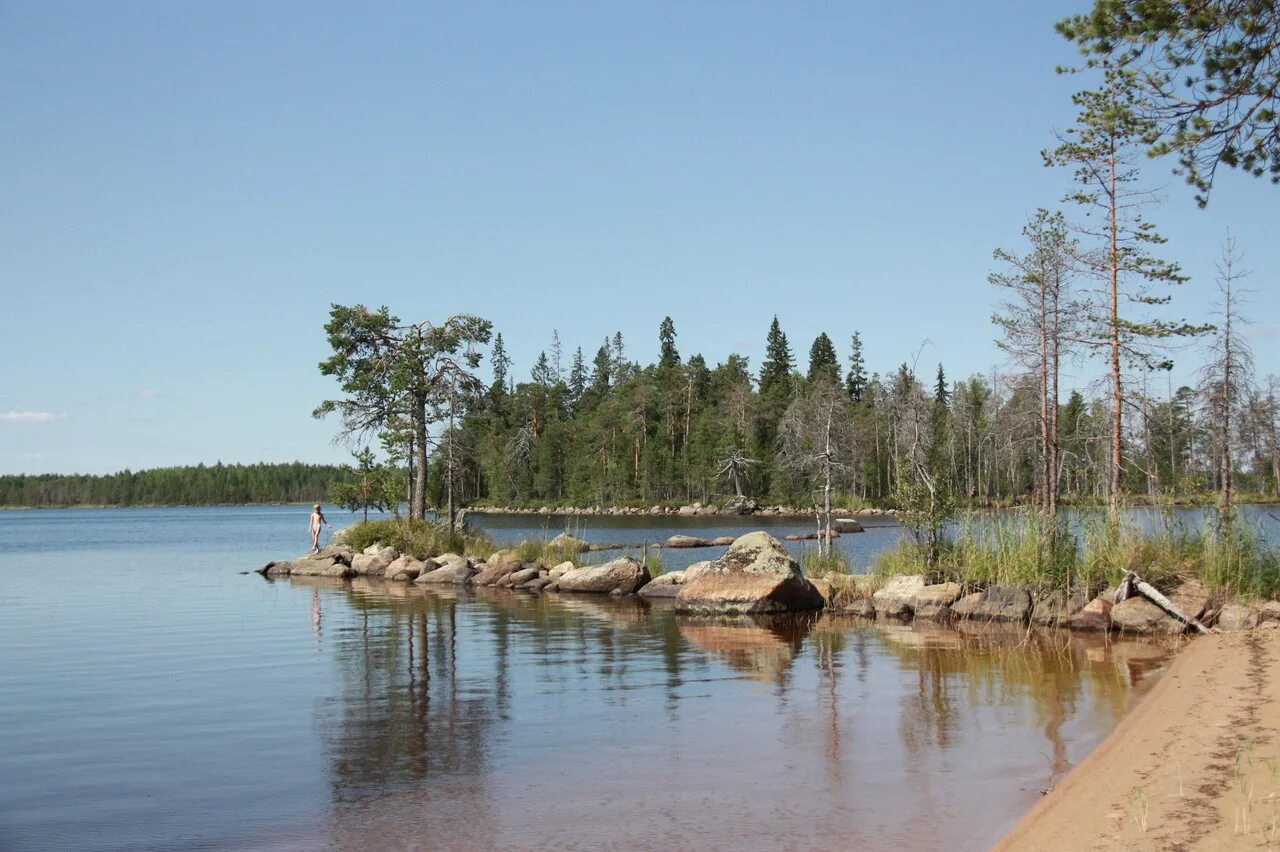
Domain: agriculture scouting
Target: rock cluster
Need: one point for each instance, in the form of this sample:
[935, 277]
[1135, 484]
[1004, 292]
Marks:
[755, 575]
[1092, 608]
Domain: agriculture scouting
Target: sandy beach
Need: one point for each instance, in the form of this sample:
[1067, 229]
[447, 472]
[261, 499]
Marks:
[1196, 765]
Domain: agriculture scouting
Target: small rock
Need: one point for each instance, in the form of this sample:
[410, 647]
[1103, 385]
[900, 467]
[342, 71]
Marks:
[1096, 615]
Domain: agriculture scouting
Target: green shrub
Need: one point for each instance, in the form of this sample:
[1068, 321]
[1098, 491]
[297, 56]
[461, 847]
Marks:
[814, 563]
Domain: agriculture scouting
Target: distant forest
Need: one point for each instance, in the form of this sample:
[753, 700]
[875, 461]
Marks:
[198, 485]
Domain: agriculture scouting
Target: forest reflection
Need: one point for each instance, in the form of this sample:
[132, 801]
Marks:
[451, 703]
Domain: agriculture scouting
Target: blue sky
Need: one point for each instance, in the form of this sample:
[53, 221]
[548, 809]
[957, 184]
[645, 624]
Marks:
[187, 188]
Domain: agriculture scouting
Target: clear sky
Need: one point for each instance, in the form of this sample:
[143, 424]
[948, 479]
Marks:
[187, 187]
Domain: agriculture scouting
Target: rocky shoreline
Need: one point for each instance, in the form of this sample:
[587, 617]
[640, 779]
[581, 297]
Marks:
[739, 508]
[756, 575]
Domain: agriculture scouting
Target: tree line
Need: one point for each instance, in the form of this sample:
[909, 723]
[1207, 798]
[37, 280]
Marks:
[188, 485]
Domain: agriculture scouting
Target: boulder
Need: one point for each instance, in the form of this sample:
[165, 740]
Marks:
[687, 510]
[624, 573]
[494, 571]
[404, 568]
[453, 569]
[934, 612]
[791, 538]
[277, 568]
[896, 597]
[1096, 615]
[722, 540]
[322, 565]
[373, 564]
[566, 543]
[755, 575]
[1055, 607]
[740, 506]
[997, 603]
[864, 607]
[537, 584]
[1269, 611]
[660, 587]
[936, 595]
[686, 541]
[697, 569]
[847, 525]
[1136, 614]
[1235, 617]
[560, 570]
[516, 578]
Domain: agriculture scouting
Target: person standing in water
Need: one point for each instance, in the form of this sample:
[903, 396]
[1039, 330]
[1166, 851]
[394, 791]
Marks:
[317, 520]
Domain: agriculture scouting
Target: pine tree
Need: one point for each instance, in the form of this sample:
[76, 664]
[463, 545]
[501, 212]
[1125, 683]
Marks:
[856, 380]
[1102, 148]
[823, 361]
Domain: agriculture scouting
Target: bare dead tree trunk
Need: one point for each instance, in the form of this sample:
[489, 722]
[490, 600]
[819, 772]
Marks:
[418, 504]
[1117, 399]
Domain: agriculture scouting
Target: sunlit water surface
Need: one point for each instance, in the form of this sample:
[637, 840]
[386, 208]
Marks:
[151, 696]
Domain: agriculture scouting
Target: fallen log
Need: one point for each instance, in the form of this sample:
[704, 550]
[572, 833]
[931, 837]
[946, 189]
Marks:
[1132, 582]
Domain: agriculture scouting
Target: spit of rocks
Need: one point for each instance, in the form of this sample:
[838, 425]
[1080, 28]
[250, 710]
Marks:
[756, 575]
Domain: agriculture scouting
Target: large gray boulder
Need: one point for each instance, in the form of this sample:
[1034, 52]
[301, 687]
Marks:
[755, 575]
[624, 574]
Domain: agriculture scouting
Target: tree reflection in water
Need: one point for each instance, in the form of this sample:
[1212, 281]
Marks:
[494, 718]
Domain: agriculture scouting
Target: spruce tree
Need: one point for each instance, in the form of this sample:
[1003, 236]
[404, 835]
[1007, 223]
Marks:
[668, 355]
[856, 380]
[823, 361]
[602, 369]
[501, 365]
[775, 372]
[577, 377]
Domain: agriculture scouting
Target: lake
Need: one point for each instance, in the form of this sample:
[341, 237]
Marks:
[154, 697]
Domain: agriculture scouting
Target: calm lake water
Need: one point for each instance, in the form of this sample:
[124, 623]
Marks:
[152, 697]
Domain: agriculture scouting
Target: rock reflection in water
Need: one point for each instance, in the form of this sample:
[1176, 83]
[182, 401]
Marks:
[492, 719]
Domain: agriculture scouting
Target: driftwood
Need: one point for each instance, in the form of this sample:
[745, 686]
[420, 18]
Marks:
[1133, 583]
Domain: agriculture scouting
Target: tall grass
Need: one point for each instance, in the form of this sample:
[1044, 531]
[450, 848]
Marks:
[420, 539]
[815, 563]
[1026, 551]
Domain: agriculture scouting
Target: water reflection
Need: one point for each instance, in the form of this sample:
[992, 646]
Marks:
[497, 719]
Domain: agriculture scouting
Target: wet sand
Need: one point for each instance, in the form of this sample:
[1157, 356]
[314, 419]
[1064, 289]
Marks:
[1196, 765]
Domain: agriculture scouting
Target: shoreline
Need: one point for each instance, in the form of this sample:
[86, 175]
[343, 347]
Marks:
[1193, 764]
